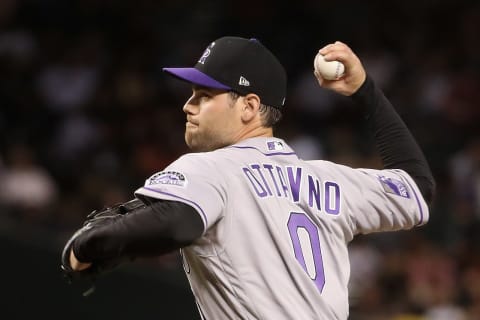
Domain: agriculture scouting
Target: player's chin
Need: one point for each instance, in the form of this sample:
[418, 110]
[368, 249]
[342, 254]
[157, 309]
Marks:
[192, 142]
[198, 144]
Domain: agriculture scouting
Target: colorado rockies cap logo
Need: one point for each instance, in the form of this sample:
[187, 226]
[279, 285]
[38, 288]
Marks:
[206, 53]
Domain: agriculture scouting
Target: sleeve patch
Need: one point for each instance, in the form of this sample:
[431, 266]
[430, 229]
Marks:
[168, 177]
[394, 186]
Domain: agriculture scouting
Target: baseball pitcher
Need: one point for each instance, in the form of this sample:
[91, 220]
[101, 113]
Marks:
[263, 234]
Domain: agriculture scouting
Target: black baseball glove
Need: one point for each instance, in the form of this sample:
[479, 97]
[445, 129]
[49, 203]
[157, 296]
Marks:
[96, 219]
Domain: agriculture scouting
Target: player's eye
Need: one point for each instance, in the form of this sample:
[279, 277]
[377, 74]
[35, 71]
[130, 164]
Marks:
[203, 96]
[200, 95]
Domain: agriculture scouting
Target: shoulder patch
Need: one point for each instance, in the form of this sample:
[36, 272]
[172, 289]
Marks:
[394, 186]
[168, 177]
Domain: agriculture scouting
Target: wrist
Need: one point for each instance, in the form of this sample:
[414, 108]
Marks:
[365, 96]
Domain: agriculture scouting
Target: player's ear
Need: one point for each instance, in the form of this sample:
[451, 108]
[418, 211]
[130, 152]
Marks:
[250, 107]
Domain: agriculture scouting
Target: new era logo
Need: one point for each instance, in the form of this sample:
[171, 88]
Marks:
[244, 82]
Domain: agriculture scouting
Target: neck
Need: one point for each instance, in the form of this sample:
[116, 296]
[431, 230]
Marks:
[258, 131]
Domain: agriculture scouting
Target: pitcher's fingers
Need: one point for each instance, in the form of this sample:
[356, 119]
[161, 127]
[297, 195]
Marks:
[344, 55]
[333, 47]
[326, 49]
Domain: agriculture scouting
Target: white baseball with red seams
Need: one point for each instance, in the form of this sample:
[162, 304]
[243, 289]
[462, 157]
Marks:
[329, 70]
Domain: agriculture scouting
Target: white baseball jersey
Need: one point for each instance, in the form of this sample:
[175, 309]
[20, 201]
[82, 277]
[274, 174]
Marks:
[277, 227]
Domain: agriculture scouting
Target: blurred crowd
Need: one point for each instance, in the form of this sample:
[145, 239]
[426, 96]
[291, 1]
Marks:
[86, 115]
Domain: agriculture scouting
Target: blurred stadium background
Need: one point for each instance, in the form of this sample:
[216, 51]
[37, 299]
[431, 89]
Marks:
[86, 115]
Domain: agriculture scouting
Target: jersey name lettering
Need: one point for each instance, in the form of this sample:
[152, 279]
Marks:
[290, 182]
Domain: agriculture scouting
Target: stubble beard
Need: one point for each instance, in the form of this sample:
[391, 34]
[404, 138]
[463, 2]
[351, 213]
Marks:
[204, 141]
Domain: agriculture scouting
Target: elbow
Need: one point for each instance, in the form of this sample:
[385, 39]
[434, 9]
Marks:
[430, 194]
[185, 236]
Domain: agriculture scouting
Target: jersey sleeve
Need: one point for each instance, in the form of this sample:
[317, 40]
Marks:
[386, 200]
[193, 180]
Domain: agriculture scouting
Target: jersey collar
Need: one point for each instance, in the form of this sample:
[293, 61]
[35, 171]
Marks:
[266, 145]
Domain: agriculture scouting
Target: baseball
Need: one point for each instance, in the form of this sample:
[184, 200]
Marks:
[330, 70]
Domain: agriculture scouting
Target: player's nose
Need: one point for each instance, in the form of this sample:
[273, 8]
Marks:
[188, 107]
[191, 105]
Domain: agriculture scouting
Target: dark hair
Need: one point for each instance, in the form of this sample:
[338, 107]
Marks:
[269, 115]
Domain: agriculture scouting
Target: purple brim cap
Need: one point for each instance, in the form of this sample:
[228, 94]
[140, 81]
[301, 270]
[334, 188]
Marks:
[197, 77]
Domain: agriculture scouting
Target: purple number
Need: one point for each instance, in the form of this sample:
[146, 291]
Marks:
[301, 221]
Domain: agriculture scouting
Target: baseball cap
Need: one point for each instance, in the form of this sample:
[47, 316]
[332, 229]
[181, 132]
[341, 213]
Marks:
[240, 65]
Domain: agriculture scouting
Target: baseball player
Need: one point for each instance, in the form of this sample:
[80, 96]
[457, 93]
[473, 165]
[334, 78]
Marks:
[263, 234]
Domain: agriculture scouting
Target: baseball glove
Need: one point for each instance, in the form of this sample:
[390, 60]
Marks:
[96, 219]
